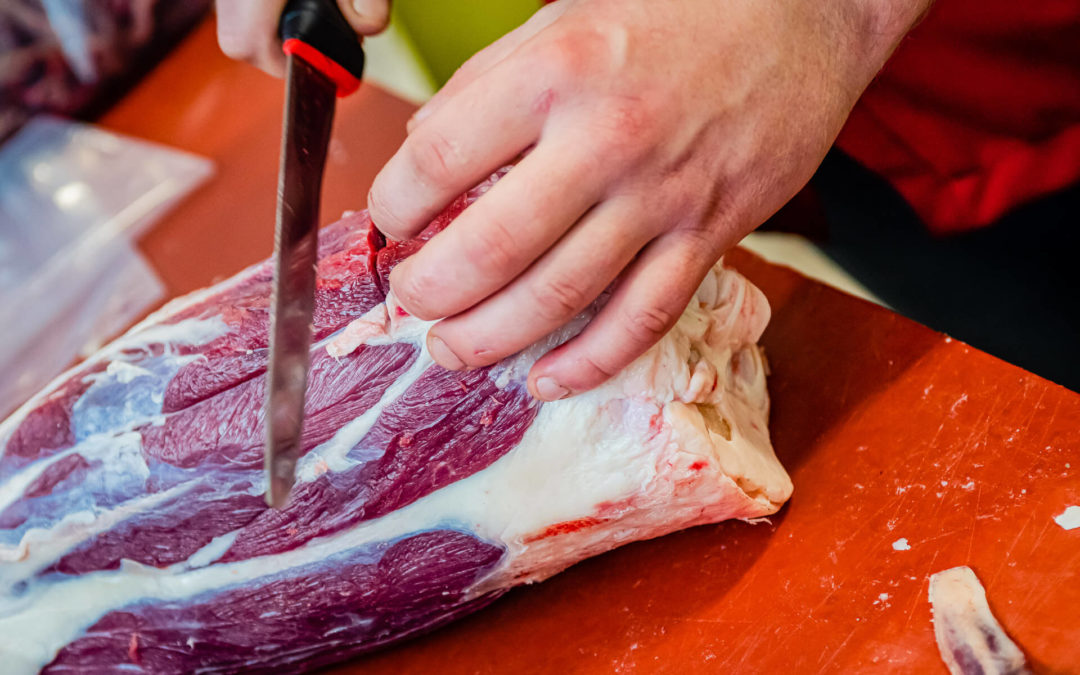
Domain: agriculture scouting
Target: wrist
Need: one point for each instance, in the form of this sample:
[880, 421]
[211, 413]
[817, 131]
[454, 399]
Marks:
[878, 26]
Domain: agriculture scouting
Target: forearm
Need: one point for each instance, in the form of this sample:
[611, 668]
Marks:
[843, 44]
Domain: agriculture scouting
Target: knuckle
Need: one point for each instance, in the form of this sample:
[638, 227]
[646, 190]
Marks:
[414, 290]
[623, 127]
[559, 299]
[645, 325]
[571, 56]
[601, 370]
[587, 50]
[472, 343]
[630, 116]
[554, 62]
[699, 249]
[382, 215]
[472, 67]
[436, 159]
[492, 249]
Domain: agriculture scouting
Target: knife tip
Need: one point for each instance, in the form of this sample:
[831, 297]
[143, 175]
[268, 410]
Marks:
[280, 483]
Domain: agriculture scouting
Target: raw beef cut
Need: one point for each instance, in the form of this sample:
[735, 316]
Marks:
[133, 532]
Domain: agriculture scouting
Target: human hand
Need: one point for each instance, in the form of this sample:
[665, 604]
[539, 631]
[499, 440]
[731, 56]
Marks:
[248, 29]
[658, 134]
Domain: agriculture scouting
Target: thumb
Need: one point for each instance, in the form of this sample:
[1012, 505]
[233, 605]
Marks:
[367, 17]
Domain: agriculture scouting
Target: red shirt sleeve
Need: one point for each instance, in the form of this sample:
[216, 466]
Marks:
[977, 112]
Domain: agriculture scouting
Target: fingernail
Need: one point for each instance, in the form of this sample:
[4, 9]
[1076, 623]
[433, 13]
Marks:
[442, 354]
[550, 390]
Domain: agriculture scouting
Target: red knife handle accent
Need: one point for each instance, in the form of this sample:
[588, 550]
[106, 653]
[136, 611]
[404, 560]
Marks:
[317, 32]
[345, 81]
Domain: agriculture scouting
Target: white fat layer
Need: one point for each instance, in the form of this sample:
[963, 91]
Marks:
[39, 548]
[619, 452]
[123, 372]
[333, 454]
[963, 623]
[369, 327]
[121, 452]
[187, 332]
[212, 551]
[383, 324]
[378, 326]
[12, 489]
[545, 479]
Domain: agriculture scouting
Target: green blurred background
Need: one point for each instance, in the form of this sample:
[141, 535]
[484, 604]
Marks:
[445, 33]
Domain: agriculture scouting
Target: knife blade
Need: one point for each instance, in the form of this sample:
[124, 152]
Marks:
[309, 113]
[324, 61]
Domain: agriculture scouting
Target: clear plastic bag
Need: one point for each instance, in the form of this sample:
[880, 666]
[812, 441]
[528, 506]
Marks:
[73, 200]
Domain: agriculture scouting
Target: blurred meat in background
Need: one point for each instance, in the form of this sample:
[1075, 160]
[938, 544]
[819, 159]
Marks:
[74, 57]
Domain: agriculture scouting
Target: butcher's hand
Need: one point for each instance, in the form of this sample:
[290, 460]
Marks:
[658, 134]
[247, 29]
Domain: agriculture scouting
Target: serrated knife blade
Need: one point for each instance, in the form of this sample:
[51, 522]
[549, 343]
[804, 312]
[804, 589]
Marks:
[310, 98]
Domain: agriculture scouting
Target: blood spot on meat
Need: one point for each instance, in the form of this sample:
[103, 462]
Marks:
[656, 423]
[133, 649]
[565, 527]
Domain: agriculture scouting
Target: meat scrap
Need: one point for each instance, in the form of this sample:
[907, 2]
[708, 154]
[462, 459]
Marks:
[970, 639]
[133, 530]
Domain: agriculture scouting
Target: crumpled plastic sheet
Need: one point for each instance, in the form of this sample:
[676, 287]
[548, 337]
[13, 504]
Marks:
[73, 201]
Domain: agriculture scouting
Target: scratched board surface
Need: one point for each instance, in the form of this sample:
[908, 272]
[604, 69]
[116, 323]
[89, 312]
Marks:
[890, 431]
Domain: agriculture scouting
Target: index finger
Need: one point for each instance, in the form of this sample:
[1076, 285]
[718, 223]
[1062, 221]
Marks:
[247, 31]
[488, 124]
[501, 234]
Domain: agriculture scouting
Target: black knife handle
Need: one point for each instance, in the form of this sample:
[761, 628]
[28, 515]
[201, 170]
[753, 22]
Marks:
[317, 32]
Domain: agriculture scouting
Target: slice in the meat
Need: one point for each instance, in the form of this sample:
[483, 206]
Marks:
[133, 534]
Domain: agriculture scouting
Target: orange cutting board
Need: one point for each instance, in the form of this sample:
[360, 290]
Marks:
[890, 431]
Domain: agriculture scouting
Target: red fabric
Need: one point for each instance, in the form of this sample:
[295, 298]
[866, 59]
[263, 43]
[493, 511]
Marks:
[345, 81]
[978, 111]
